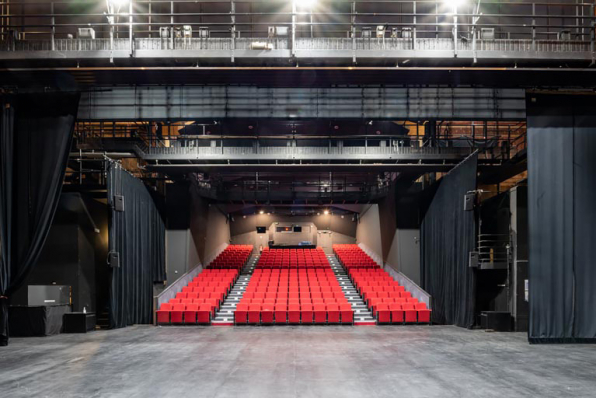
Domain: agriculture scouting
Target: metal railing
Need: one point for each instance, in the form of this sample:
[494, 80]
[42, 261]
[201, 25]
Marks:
[358, 26]
[494, 249]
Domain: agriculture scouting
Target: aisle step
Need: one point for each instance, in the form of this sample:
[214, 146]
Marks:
[362, 315]
[225, 315]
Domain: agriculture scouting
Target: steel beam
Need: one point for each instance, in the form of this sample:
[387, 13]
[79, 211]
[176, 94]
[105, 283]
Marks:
[218, 102]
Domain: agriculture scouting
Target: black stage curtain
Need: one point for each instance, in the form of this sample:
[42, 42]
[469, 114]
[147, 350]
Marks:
[447, 236]
[137, 234]
[35, 139]
[562, 218]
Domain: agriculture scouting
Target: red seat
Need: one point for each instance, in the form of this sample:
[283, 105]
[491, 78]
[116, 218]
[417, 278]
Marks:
[306, 312]
[347, 313]
[267, 314]
[177, 313]
[397, 314]
[320, 311]
[333, 313]
[410, 313]
[254, 313]
[163, 314]
[294, 313]
[204, 313]
[383, 313]
[241, 313]
[281, 313]
[423, 313]
[190, 314]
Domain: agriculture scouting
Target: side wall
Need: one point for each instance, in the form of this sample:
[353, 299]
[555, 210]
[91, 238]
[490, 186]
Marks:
[368, 234]
[197, 231]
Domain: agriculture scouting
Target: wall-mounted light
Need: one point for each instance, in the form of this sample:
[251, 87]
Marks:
[326, 212]
[261, 212]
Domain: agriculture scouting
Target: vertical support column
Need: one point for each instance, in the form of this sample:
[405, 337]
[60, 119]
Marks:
[353, 32]
[171, 25]
[455, 31]
[414, 27]
[53, 27]
[150, 19]
[233, 29]
[130, 21]
[592, 35]
[293, 44]
[533, 27]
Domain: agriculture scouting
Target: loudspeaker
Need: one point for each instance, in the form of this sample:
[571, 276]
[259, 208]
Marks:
[118, 202]
[469, 201]
[114, 259]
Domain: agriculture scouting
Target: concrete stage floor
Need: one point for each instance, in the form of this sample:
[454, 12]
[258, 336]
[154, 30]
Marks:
[413, 361]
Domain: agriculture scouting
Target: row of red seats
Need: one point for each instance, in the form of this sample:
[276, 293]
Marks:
[295, 296]
[294, 314]
[233, 257]
[389, 302]
[200, 299]
[352, 256]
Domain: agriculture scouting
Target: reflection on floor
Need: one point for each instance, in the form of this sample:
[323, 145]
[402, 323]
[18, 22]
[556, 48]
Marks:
[294, 361]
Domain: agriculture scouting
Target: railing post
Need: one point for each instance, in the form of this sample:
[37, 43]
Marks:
[130, 21]
[233, 29]
[533, 27]
[171, 25]
[353, 29]
[455, 30]
[293, 44]
[414, 27]
[53, 27]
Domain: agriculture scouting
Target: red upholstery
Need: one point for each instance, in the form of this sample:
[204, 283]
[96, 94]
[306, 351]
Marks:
[333, 314]
[204, 313]
[241, 313]
[294, 313]
[177, 313]
[423, 313]
[163, 314]
[281, 313]
[190, 314]
[410, 313]
[347, 313]
[267, 314]
[383, 313]
[207, 290]
[290, 283]
[254, 313]
[397, 314]
[306, 312]
[382, 294]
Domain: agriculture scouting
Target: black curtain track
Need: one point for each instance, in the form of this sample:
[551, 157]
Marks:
[137, 234]
[562, 218]
[448, 235]
[35, 138]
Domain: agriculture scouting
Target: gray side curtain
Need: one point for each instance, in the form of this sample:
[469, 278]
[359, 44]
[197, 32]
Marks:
[35, 138]
[448, 234]
[137, 234]
[562, 218]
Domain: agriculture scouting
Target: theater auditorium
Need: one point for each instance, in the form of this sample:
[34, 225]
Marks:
[297, 198]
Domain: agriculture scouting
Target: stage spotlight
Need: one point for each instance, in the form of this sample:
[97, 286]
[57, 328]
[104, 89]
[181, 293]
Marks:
[261, 212]
[454, 3]
[326, 212]
[305, 3]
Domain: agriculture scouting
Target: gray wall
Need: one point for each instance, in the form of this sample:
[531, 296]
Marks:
[368, 233]
[196, 230]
